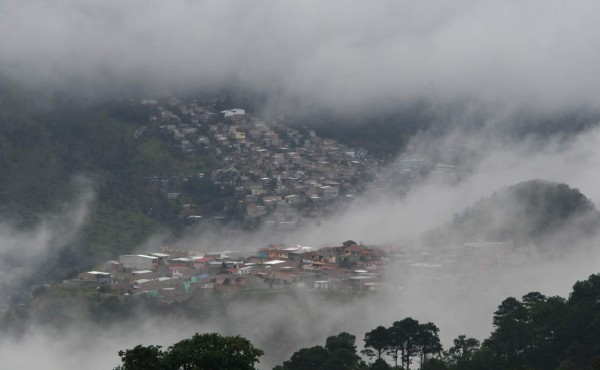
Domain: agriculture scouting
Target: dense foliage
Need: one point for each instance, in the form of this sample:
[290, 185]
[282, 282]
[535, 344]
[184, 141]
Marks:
[47, 147]
[339, 353]
[383, 135]
[201, 352]
[535, 332]
[531, 211]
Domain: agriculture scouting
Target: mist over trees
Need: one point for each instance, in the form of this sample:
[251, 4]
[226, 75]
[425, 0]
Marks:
[534, 211]
[534, 332]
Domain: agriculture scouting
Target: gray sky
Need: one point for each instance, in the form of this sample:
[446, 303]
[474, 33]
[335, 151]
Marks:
[336, 54]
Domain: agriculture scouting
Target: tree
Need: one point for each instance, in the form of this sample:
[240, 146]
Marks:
[339, 353]
[306, 358]
[342, 352]
[428, 341]
[583, 321]
[511, 336]
[532, 300]
[380, 364]
[433, 364]
[404, 340]
[202, 351]
[407, 339]
[396, 346]
[586, 292]
[377, 341]
[213, 351]
[142, 358]
[463, 350]
[343, 340]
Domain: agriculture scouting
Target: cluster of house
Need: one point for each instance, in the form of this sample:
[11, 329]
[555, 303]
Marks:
[173, 275]
[278, 174]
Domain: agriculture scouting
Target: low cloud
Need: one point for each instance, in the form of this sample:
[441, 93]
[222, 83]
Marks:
[337, 55]
[26, 250]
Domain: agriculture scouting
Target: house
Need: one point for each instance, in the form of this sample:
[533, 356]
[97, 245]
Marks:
[293, 199]
[278, 253]
[276, 265]
[375, 265]
[248, 269]
[113, 267]
[143, 274]
[282, 277]
[229, 279]
[325, 255]
[200, 262]
[158, 283]
[233, 112]
[360, 282]
[329, 191]
[354, 252]
[95, 278]
[162, 257]
[139, 262]
[299, 255]
[182, 261]
[215, 265]
[323, 284]
[179, 272]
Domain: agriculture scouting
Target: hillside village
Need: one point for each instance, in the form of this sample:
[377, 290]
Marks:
[263, 174]
[350, 267]
[172, 275]
[268, 174]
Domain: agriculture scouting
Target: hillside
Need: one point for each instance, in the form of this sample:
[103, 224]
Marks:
[533, 211]
[45, 150]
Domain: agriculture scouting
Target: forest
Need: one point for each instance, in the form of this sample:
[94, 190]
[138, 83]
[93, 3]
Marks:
[533, 332]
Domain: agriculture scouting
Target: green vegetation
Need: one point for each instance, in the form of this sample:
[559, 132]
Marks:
[201, 352]
[404, 340]
[536, 332]
[383, 135]
[339, 353]
[536, 210]
[44, 152]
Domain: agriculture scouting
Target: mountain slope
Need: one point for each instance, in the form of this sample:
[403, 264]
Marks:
[533, 211]
[43, 151]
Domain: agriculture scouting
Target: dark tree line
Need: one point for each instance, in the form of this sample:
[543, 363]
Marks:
[534, 332]
[403, 341]
[339, 353]
[201, 352]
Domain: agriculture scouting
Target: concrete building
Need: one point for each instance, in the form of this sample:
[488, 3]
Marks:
[139, 262]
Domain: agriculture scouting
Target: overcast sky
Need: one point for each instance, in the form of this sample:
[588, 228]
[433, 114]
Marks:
[337, 54]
